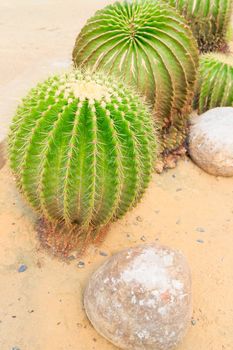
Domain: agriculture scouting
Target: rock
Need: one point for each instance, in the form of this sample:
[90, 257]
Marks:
[141, 298]
[211, 141]
[139, 218]
[103, 253]
[22, 268]
[81, 264]
[179, 189]
[200, 241]
[71, 257]
[200, 229]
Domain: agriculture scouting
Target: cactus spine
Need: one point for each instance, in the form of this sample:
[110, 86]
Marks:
[82, 150]
[150, 46]
[215, 88]
[209, 21]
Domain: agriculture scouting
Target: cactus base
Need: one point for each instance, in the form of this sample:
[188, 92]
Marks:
[217, 44]
[172, 141]
[63, 243]
[170, 160]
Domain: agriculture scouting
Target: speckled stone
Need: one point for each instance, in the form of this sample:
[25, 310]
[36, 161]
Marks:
[211, 141]
[141, 298]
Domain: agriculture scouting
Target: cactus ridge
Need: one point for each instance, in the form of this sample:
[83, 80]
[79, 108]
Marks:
[152, 48]
[82, 148]
[215, 88]
[209, 21]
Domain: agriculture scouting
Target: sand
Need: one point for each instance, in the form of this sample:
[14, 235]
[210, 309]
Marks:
[185, 208]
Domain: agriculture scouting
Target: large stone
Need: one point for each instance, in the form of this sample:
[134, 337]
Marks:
[141, 298]
[211, 141]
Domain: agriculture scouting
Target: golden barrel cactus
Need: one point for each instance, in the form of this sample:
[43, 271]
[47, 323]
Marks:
[82, 149]
[150, 46]
[209, 20]
[215, 87]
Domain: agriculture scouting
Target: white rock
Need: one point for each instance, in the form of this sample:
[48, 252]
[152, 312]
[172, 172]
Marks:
[141, 298]
[211, 141]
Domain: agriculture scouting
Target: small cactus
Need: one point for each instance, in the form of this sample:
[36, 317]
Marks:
[215, 88]
[82, 150]
[209, 21]
[151, 47]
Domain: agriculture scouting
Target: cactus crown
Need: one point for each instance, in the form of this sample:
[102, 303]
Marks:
[209, 21]
[82, 149]
[150, 46]
[215, 88]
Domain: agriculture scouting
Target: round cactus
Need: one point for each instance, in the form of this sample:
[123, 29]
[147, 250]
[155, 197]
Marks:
[151, 47]
[209, 21]
[215, 88]
[82, 150]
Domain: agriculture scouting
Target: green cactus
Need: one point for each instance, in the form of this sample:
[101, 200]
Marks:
[209, 21]
[82, 150]
[151, 47]
[215, 87]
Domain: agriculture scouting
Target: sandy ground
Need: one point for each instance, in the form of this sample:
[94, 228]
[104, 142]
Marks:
[41, 308]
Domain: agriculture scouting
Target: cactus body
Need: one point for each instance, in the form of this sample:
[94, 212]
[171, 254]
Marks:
[151, 47]
[209, 21]
[215, 88]
[82, 150]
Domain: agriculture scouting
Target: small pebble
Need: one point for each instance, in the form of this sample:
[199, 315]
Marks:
[81, 264]
[200, 229]
[179, 189]
[103, 253]
[143, 238]
[193, 322]
[139, 219]
[22, 268]
[71, 257]
[15, 348]
[200, 241]
[178, 222]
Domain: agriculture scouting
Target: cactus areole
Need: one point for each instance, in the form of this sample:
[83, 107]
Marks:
[82, 150]
[215, 88]
[150, 46]
[209, 20]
